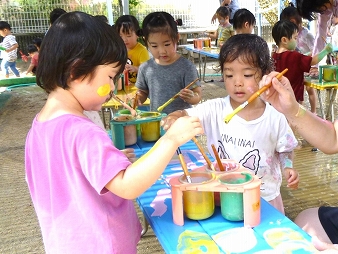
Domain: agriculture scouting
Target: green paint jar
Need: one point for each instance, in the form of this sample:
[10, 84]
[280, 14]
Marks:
[232, 200]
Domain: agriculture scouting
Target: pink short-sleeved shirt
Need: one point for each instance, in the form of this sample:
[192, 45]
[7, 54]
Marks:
[69, 160]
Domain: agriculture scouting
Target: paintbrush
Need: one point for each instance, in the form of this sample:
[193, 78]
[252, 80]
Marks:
[324, 40]
[211, 166]
[135, 101]
[252, 97]
[132, 111]
[160, 108]
[218, 159]
[184, 165]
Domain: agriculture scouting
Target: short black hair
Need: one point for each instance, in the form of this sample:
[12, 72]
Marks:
[31, 48]
[5, 25]
[86, 43]
[308, 8]
[160, 22]
[283, 28]
[37, 41]
[241, 16]
[103, 18]
[289, 13]
[249, 48]
[55, 14]
[223, 11]
[128, 23]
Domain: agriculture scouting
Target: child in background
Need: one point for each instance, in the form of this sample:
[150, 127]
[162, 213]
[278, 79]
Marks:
[129, 29]
[167, 73]
[34, 55]
[225, 30]
[285, 33]
[244, 21]
[9, 54]
[81, 186]
[244, 59]
[305, 42]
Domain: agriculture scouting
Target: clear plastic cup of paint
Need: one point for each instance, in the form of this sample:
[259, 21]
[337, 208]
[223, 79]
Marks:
[198, 205]
[232, 201]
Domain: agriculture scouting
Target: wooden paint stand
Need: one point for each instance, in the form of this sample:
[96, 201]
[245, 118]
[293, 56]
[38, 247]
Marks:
[250, 190]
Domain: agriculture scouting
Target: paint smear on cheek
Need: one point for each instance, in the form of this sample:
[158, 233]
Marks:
[103, 90]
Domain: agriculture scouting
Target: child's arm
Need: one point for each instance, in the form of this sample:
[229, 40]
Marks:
[290, 174]
[317, 58]
[30, 68]
[14, 46]
[140, 175]
[212, 34]
[141, 97]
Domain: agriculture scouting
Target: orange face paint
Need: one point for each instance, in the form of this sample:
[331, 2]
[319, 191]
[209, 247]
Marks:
[103, 90]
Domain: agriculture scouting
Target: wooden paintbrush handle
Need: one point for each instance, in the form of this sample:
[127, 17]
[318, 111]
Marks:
[219, 162]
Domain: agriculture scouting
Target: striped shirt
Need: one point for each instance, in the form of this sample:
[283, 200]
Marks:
[7, 43]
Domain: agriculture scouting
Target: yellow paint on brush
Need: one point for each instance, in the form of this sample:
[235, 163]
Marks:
[103, 90]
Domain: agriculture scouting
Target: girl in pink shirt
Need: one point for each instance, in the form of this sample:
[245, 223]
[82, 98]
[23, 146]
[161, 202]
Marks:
[83, 187]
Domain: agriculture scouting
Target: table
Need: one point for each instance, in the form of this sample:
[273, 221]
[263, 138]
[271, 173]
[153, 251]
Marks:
[183, 32]
[275, 234]
[203, 54]
[331, 90]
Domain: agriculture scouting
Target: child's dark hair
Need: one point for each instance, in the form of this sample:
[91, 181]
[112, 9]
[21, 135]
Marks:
[241, 16]
[55, 14]
[283, 28]
[223, 11]
[248, 48]
[5, 25]
[128, 23]
[103, 18]
[37, 42]
[87, 43]
[160, 22]
[308, 8]
[289, 13]
[31, 48]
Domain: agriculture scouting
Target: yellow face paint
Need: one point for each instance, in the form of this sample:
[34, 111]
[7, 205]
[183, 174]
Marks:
[103, 90]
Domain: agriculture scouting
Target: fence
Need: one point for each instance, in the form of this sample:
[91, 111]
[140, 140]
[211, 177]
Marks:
[30, 19]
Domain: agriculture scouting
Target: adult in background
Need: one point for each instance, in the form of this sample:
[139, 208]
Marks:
[321, 10]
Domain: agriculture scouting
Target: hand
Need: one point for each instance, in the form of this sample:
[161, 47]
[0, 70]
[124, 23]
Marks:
[187, 94]
[280, 94]
[129, 152]
[184, 129]
[292, 177]
[131, 68]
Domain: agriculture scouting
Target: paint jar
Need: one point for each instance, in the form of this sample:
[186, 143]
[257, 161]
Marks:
[328, 74]
[198, 205]
[150, 131]
[207, 42]
[198, 43]
[232, 201]
[127, 112]
[229, 166]
[130, 132]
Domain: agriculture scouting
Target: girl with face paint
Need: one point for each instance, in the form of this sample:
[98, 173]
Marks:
[285, 34]
[81, 185]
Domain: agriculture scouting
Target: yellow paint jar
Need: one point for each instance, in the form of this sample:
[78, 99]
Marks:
[198, 205]
[150, 131]
[328, 74]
